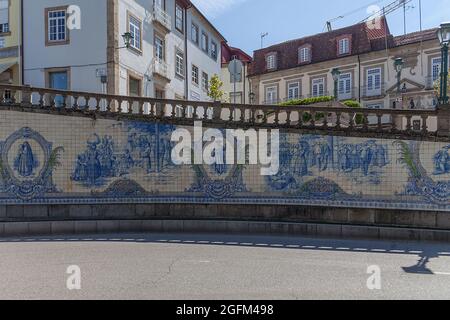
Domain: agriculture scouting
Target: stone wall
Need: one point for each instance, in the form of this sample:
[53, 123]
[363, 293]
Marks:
[62, 160]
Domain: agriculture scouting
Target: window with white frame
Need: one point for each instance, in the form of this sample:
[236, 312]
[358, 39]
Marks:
[318, 87]
[57, 30]
[195, 75]
[159, 48]
[304, 54]
[236, 97]
[205, 42]
[345, 86]
[179, 18]
[374, 82]
[205, 81]
[293, 90]
[4, 16]
[214, 50]
[271, 95]
[436, 68]
[195, 32]
[135, 30]
[344, 46]
[271, 61]
[179, 64]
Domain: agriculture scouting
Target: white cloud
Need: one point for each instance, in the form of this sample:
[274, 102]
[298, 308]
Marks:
[214, 8]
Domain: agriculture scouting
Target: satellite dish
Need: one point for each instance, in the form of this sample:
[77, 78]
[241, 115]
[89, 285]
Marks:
[235, 68]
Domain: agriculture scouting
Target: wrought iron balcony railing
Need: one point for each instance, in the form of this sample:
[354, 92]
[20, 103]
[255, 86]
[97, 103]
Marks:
[323, 118]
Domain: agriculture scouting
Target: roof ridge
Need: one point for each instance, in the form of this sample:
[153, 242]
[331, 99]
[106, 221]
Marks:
[311, 36]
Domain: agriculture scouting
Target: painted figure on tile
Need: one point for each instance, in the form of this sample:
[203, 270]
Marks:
[25, 162]
[442, 162]
[301, 161]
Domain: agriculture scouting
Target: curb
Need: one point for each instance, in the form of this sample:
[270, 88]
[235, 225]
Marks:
[47, 228]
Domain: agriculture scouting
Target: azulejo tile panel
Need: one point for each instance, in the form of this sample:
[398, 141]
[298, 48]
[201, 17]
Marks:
[50, 159]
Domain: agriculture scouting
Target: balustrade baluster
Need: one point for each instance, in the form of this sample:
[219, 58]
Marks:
[338, 120]
[408, 123]
[424, 124]
[379, 122]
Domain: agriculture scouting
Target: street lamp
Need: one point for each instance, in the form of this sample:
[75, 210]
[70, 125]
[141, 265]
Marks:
[336, 75]
[127, 37]
[398, 65]
[443, 34]
[251, 96]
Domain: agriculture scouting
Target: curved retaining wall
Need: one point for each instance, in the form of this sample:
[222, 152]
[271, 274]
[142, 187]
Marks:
[52, 160]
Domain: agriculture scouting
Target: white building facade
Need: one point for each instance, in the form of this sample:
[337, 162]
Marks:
[79, 45]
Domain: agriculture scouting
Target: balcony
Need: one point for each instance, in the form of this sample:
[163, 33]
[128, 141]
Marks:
[374, 92]
[160, 69]
[162, 18]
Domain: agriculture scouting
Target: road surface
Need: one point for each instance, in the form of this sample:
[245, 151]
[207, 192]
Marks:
[174, 266]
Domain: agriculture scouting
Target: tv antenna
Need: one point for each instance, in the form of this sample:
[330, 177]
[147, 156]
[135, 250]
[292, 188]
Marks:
[263, 35]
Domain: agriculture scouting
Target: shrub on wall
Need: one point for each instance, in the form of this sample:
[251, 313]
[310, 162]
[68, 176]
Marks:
[308, 101]
[359, 118]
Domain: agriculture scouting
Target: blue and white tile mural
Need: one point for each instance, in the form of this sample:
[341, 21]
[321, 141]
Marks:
[59, 159]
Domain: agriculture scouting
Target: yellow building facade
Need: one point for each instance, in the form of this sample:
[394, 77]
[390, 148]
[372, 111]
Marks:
[10, 41]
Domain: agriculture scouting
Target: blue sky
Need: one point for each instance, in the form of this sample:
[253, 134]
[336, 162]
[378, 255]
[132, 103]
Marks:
[242, 21]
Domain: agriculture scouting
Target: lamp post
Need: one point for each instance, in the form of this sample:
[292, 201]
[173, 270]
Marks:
[336, 75]
[398, 65]
[127, 37]
[443, 34]
[252, 96]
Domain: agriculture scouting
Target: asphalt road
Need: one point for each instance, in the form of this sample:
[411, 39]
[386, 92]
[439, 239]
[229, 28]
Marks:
[173, 266]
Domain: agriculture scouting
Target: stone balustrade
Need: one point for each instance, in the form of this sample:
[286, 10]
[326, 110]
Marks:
[323, 118]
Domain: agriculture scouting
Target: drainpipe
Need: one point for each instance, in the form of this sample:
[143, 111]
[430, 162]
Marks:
[359, 78]
[186, 71]
[21, 59]
[244, 80]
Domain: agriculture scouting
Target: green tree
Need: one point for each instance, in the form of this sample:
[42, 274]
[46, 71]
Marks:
[437, 85]
[215, 88]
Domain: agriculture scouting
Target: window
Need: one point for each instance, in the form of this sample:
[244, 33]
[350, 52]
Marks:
[345, 86]
[205, 81]
[293, 90]
[271, 95]
[214, 50]
[59, 80]
[195, 32]
[195, 75]
[179, 64]
[436, 68]
[4, 16]
[159, 3]
[271, 61]
[205, 42]
[344, 46]
[159, 48]
[134, 27]
[374, 82]
[304, 54]
[134, 87]
[57, 32]
[236, 97]
[318, 87]
[179, 18]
